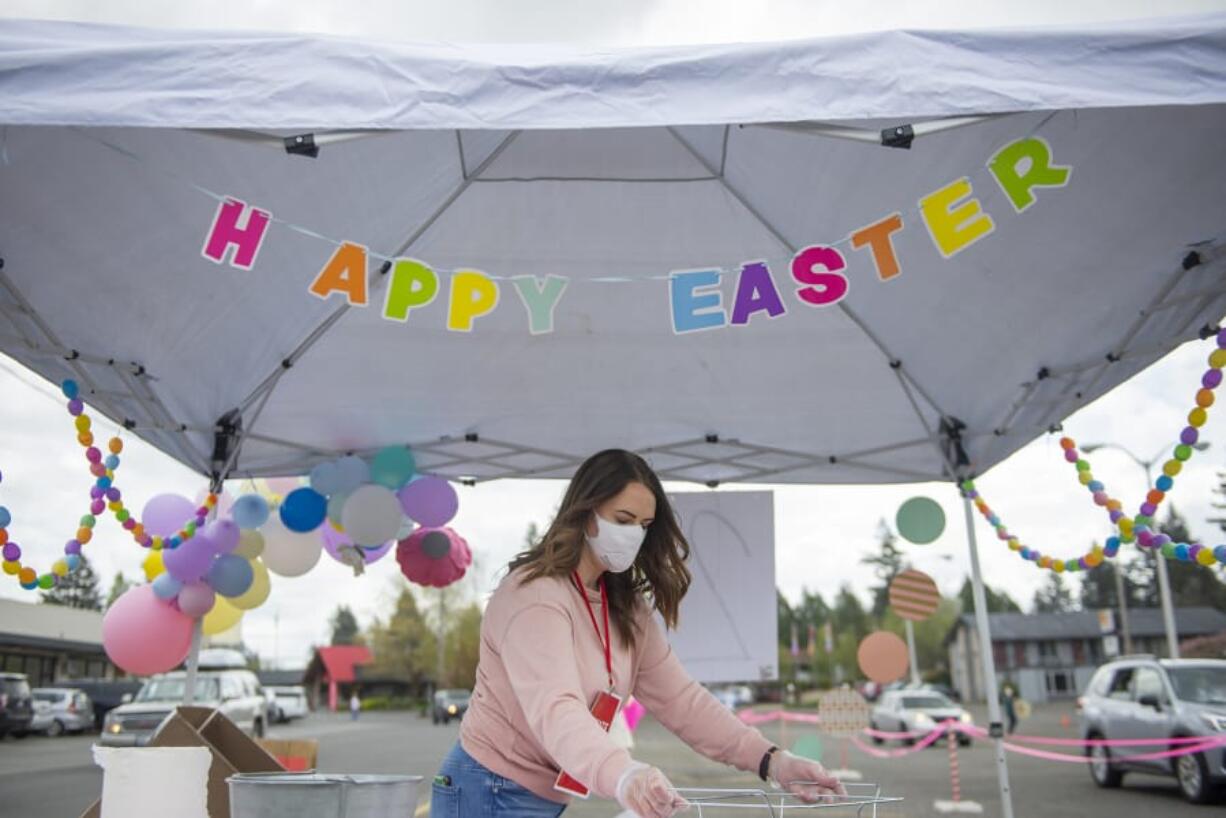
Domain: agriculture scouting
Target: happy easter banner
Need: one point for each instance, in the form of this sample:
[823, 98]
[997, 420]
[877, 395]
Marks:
[815, 278]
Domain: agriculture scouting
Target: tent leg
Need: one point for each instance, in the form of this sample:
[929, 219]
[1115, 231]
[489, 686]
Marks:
[193, 663]
[910, 626]
[989, 664]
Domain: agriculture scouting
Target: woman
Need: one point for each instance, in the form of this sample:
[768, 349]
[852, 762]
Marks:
[549, 659]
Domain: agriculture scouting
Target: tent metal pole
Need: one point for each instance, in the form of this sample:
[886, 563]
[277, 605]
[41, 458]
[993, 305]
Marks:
[988, 660]
[193, 663]
[874, 137]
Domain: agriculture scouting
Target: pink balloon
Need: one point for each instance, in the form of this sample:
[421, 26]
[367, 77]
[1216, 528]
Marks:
[426, 565]
[165, 514]
[196, 599]
[633, 712]
[144, 635]
[335, 540]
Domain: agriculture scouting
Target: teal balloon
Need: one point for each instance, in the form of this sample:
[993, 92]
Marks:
[920, 520]
[392, 467]
[808, 746]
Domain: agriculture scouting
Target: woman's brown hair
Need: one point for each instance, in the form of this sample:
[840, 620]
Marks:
[659, 573]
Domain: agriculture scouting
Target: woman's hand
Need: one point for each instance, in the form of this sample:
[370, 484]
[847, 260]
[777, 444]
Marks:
[807, 780]
[647, 793]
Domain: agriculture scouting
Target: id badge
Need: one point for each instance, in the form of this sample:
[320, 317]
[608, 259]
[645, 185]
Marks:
[604, 710]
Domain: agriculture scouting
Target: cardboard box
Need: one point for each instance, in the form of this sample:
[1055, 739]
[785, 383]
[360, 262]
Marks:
[233, 752]
[298, 755]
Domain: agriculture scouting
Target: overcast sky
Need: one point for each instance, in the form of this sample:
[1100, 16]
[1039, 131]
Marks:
[822, 532]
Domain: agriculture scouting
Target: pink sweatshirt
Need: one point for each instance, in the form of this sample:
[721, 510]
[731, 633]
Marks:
[540, 669]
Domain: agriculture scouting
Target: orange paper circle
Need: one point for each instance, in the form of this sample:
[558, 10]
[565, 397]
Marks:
[883, 657]
[914, 595]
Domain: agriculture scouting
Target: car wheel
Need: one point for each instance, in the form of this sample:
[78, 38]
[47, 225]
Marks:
[56, 728]
[20, 733]
[1101, 770]
[1193, 776]
[964, 741]
[872, 725]
[259, 728]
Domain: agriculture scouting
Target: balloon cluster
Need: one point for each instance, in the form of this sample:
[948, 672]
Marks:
[1138, 528]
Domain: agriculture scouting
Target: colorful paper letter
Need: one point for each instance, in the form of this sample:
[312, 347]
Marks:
[344, 273]
[755, 292]
[413, 285]
[694, 310]
[1039, 172]
[540, 297]
[877, 237]
[824, 288]
[226, 232]
[473, 294]
[954, 226]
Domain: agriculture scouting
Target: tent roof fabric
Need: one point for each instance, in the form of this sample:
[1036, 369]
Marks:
[510, 164]
[339, 661]
[1016, 627]
[81, 74]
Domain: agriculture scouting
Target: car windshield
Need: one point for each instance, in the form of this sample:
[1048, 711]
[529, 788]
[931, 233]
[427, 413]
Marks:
[925, 702]
[1200, 684]
[171, 690]
[42, 696]
[455, 695]
[288, 694]
[17, 688]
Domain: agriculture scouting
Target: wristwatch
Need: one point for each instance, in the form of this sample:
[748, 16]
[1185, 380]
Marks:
[764, 766]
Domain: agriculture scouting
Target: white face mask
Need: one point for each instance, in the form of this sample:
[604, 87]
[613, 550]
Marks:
[616, 545]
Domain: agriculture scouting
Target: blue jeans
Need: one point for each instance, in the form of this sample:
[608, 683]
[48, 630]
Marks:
[475, 792]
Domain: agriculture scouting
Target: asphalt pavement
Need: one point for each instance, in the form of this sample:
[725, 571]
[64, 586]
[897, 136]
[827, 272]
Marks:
[44, 777]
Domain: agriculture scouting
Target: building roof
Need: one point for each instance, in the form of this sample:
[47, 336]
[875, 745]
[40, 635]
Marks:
[338, 661]
[1019, 627]
[50, 626]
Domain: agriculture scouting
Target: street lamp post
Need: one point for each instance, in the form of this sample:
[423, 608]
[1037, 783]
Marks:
[1164, 582]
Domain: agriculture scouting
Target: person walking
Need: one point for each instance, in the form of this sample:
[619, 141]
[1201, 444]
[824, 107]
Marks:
[570, 634]
[1008, 698]
[355, 705]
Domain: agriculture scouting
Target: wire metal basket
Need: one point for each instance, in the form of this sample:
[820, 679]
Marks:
[861, 798]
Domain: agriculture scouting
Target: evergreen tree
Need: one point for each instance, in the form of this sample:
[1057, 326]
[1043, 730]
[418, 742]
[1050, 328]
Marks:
[404, 646]
[849, 616]
[1054, 596]
[1191, 584]
[887, 564]
[997, 601]
[77, 589]
[345, 630]
[1098, 587]
[119, 585]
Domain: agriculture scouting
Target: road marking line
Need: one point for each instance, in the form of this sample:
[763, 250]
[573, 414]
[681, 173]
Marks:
[423, 809]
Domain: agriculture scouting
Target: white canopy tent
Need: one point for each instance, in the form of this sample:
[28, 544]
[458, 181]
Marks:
[613, 172]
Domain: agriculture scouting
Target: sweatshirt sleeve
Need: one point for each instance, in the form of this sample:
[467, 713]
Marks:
[546, 683]
[689, 710]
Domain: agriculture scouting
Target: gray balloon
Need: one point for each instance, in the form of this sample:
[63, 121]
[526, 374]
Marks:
[436, 545]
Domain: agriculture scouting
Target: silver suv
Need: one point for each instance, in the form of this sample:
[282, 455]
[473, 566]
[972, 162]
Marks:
[236, 693]
[1141, 697]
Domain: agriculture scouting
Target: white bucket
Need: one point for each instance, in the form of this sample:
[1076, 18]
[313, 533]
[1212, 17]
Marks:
[154, 782]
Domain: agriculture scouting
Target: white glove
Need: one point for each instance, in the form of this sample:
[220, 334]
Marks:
[647, 793]
[807, 780]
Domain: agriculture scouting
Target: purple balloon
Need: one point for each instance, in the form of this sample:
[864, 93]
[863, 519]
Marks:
[190, 561]
[334, 540]
[430, 501]
[223, 535]
[167, 513]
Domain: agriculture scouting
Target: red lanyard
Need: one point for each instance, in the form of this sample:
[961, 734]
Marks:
[604, 602]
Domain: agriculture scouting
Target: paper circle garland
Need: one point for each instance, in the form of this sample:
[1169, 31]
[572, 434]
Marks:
[434, 571]
[430, 501]
[920, 520]
[808, 746]
[882, 657]
[914, 595]
[843, 711]
[144, 635]
[372, 515]
[289, 553]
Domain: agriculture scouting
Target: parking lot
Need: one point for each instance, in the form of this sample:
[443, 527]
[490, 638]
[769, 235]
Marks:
[44, 777]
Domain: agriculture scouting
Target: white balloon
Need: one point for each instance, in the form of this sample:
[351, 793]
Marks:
[372, 515]
[289, 553]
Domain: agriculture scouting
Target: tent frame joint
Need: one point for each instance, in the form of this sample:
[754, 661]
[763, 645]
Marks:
[302, 145]
[899, 136]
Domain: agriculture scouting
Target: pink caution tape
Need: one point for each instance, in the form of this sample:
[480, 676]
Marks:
[1093, 742]
[1206, 744]
[924, 743]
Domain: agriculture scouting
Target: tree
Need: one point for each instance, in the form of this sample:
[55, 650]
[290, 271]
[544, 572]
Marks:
[345, 630]
[1191, 584]
[849, 616]
[118, 586]
[463, 647]
[1054, 596]
[997, 601]
[887, 564]
[403, 646]
[78, 589]
[1098, 587]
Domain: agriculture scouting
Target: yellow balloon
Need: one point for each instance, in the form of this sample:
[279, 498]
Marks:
[223, 617]
[250, 544]
[1206, 557]
[153, 565]
[254, 596]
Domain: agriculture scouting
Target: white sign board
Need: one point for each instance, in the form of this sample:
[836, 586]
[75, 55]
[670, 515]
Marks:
[728, 630]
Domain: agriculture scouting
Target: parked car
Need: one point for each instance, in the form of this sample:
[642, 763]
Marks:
[16, 705]
[235, 692]
[1143, 697]
[291, 702]
[107, 694]
[64, 710]
[450, 704]
[915, 711]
